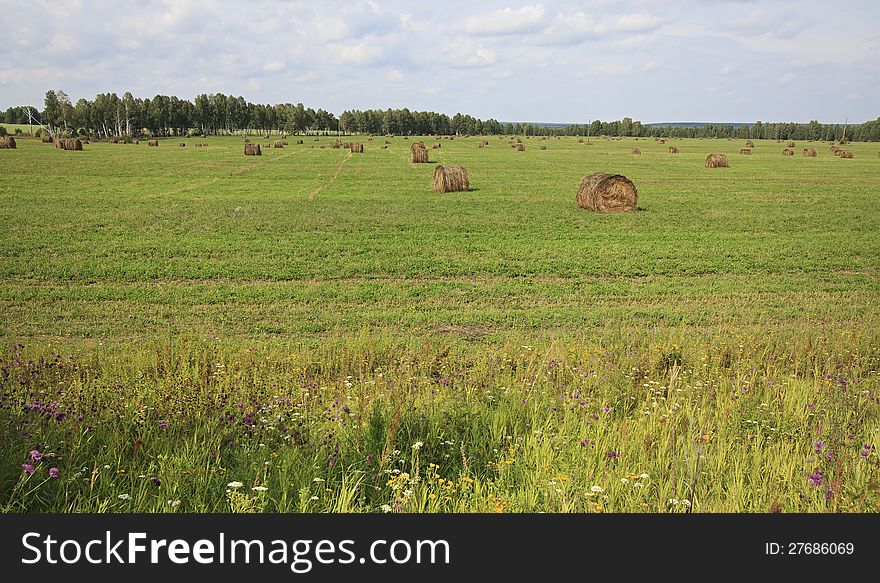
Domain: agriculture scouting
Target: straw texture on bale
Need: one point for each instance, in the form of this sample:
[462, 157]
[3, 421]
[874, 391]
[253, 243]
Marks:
[419, 153]
[336, 144]
[607, 193]
[451, 179]
[56, 143]
[787, 152]
[520, 147]
[790, 144]
[153, 143]
[846, 154]
[8, 143]
[356, 148]
[71, 144]
[252, 150]
[745, 152]
[717, 161]
[673, 150]
[279, 144]
[810, 152]
[46, 138]
[635, 151]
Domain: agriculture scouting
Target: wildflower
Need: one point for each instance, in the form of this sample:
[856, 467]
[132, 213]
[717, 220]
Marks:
[163, 425]
[313, 498]
[586, 442]
[124, 497]
[54, 473]
[644, 476]
[235, 484]
[35, 456]
[866, 450]
[819, 445]
[816, 479]
[596, 489]
[106, 466]
[613, 455]
[369, 458]
[686, 503]
[385, 508]
[417, 445]
[638, 485]
[318, 480]
[624, 480]
[28, 468]
[259, 488]
[156, 481]
[174, 503]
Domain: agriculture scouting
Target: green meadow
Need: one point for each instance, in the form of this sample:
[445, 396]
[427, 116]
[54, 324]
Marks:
[312, 330]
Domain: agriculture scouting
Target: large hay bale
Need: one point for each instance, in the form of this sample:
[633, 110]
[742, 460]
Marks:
[635, 151]
[153, 143]
[745, 152]
[451, 179]
[673, 150]
[279, 144]
[846, 154]
[810, 153]
[787, 152]
[8, 143]
[356, 148]
[252, 150]
[56, 143]
[520, 147]
[71, 144]
[717, 161]
[607, 193]
[419, 153]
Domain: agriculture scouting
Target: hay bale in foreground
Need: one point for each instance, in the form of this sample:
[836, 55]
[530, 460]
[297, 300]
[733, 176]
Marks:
[71, 144]
[846, 154]
[279, 144]
[252, 150]
[607, 193]
[419, 153]
[787, 152]
[717, 161]
[356, 148]
[635, 151]
[153, 143]
[451, 179]
[8, 143]
[673, 150]
[745, 152]
[810, 153]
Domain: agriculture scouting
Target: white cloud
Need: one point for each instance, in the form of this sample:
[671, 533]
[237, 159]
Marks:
[506, 21]
[637, 23]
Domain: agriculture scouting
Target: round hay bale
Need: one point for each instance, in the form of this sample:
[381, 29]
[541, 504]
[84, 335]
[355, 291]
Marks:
[542, 147]
[635, 151]
[385, 147]
[846, 154]
[247, 140]
[387, 142]
[71, 144]
[745, 152]
[279, 144]
[520, 147]
[790, 145]
[198, 145]
[717, 161]
[267, 146]
[787, 152]
[451, 179]
[299, 141]
[153, 143]
[662, 141]
[607, 193]
[181, 144]
[252, 150]
[357, 148]
[750, 144]
[810, 153]
[673, 150]
[56, 143]
[46, 138]
[484, 143]
[8, 143]
[419, 153]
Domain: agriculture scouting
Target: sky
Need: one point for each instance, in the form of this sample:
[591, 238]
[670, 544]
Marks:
[551, 61]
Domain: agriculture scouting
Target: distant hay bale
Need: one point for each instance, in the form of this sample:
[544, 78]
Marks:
[299, 141]
[607, 193]
[247, 140]
[153, 143]
[750, 144]
[846, 154]
[520, 147]
[790, 144]
[356, 148]
[286, 143]
[787, 152]
[267, 146]
[252, 150]
[198, 145]
[438, 145]
[279, 144]
[419, 153]
[435, 146]
[387, 142]
[662, 141]
[542, 148]
[181, 144]
[717, 161]
[384, 146]
[635, 151]
[336, 144]
[46, 138]
[484, 143]
[8, 143]
[673, 150]
[56, 143]
[317, 139]
[745, 152]
[810, 153]
[451, 179]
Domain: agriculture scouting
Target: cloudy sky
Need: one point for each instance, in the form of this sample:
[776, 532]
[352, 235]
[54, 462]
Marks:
[565, 61]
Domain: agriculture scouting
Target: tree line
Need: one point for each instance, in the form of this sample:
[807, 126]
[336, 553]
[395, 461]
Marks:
[109, 115]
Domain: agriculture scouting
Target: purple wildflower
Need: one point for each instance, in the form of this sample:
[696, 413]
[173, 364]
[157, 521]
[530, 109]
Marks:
[156, 481]
[816, 479]
[36, 456]
[866, 451]
[586, 442]
[163, 425]
[819, 445]
[369, 458]
[605, 409]
[54, 473]
[28, 468]
[613, 455]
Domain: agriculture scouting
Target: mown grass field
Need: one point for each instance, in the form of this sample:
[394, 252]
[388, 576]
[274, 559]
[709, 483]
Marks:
[300, 322]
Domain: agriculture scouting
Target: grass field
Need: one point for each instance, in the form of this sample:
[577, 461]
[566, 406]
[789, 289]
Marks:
[300, 322]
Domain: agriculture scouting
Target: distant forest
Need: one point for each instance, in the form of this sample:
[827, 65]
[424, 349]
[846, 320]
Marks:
[109, 115]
